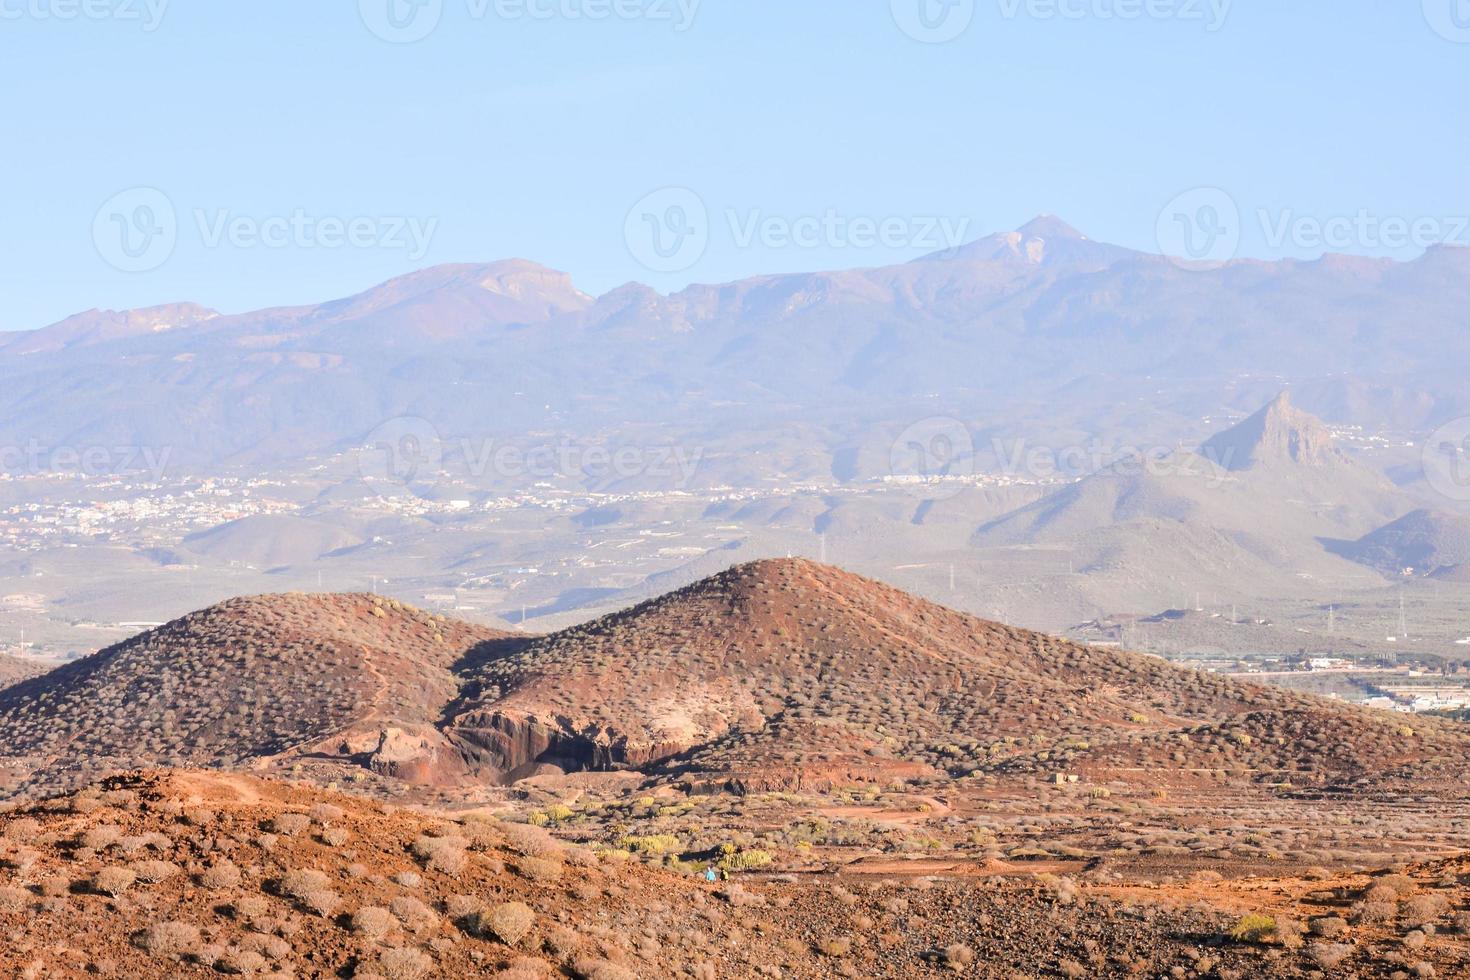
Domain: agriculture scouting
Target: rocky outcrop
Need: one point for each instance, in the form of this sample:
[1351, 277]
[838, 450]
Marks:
[508, 746]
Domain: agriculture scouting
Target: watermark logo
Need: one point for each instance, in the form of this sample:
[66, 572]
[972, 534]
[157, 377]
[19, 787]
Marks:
[409, 21]
[38, 459]
[139, 229]
[401, 21]
[1362, 230]
[1200, 229]
[1446, 460]
[136, 230]
[410, 452]
[932, 458]
[835, 230]
[147, 14]
[405, 451]
[669, 230]
[1450, 19]
[1211, 13]
[933, 21]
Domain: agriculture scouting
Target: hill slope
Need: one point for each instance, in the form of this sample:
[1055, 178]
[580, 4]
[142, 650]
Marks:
[790, 673]
[1430, 543]
[242, 683]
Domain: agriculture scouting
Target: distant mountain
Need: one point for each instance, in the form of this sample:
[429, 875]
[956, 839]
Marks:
[270, 541]
[1245, 514]
[1423, 542]
[1278, 435]
[995, 329]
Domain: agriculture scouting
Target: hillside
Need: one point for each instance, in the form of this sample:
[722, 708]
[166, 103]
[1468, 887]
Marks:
[789, 673]
[1424, 542]
[191, 874]
[243, 683]
[1246, 514]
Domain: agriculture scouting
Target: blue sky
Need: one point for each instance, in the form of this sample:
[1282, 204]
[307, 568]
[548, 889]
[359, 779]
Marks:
[504, 134]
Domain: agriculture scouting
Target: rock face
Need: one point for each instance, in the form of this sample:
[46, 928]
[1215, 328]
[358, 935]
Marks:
[508, 746]
[1278, 433]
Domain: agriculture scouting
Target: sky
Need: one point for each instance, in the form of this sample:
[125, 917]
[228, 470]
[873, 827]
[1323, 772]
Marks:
[277, 152]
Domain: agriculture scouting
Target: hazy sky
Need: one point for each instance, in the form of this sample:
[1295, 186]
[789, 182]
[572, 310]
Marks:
[812, 134]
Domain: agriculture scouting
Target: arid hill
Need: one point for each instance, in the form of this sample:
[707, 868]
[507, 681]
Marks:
[792, 674]
[1423, 542]
[14, 670]
[244, 683]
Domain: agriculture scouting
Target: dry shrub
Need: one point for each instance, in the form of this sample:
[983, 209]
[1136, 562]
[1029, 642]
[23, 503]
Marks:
[1370, 913]
[602, 970]
[21, 829]
[1330, 955]
[13, 899]
[414, 914]
[834, 946]
[297, 884]
[335, 836]
[958, 957]
[1423, 909]
[100, 838]
[220, 875]
[509, 923]
[462, 908]
[408, 879]
[447, 862]
[322, 901]
[171, 940]
[113, 881]
[405, 963]
[152, 872]
[290, 824]
[273, 947]
[1328, 927]
[241, 961]
[539, 869]
[531, 841]
[247, 908]
[326, 814]
[372, 922]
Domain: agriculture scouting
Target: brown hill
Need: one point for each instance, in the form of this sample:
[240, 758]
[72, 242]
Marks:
[790, 673]
[246, 682]
[13, 670]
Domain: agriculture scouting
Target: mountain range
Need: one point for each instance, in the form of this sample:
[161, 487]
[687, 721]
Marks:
[990, 332]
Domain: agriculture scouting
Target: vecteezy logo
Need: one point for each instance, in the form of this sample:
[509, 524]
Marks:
[1449, 18]
[933, 21]
[931, 458]
[401, 21]
[668, 231]
[136, 230]
[403, 451]
[1446, 460]
[1200, 228]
